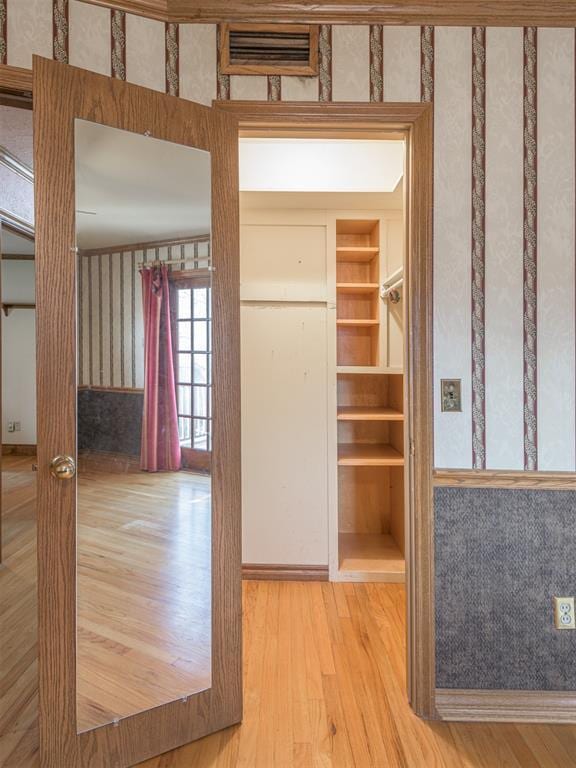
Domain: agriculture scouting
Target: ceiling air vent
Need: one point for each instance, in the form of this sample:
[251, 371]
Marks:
[269, 49]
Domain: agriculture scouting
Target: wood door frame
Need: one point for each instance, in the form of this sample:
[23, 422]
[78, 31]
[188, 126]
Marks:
[414, 122]
[61, 94]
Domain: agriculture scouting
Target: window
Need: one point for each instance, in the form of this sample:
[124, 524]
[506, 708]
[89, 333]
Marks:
[192, 331]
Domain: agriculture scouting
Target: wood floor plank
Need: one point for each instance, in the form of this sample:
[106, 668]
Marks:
[324, 665]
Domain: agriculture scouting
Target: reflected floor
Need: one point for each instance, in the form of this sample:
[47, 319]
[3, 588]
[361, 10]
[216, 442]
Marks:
[144, 583]
[143, 591]
[18, 635]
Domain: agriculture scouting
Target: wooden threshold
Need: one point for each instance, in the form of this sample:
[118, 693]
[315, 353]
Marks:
[276, 572]
[367, 413]
[369, 455]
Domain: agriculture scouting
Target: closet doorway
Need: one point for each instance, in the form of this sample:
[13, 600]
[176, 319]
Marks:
[375, 290]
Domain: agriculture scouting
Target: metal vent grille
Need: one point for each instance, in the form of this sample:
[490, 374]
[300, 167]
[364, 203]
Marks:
[269, 49]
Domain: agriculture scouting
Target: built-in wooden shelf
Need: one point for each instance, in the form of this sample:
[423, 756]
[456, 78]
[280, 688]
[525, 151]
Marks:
[369, 455]
[356, 253]
[371, 554]
[366, 413]
[8, 307]
[357, 287]
[359, 323]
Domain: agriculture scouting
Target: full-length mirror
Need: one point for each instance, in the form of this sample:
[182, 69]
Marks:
[144, 513]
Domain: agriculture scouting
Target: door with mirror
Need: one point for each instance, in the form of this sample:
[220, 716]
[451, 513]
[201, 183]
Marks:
[138, 421]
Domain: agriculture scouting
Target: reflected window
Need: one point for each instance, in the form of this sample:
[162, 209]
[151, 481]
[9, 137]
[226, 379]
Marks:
[191, 302]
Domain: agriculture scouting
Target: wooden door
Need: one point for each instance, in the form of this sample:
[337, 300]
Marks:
[64, 95]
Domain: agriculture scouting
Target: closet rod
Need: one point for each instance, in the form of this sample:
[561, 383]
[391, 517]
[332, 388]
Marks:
[391, 292]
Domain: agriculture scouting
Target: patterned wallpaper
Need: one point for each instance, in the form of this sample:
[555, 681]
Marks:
[505, 180]
[110, 323]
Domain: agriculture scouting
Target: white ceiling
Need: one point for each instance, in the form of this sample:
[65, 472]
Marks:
[320, 165]
[333, 201]
[137, 189]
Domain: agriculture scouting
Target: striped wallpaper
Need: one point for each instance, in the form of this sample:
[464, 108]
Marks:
[505, 181]
[110, 326]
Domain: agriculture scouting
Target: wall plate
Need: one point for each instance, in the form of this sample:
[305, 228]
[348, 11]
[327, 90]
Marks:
[451, 395]
[564, 613]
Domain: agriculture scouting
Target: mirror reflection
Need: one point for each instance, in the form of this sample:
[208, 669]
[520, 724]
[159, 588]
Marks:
[143, 222]
[18, 573]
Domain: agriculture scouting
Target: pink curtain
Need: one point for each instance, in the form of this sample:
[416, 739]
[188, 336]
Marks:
[160, 440]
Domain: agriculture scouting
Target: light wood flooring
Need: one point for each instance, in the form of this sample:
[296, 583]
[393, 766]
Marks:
[324, 680]
[144, 592]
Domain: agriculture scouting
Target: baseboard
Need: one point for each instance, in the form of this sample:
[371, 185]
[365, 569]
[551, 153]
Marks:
[101, 461]
[18, 450]
[274, 572]
[506, 706]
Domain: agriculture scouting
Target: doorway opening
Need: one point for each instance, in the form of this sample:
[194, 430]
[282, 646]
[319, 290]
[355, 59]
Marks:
[374, 293]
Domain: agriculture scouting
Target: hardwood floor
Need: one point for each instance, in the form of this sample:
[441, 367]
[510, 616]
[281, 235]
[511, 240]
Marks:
[144, 592]
[18, 637]
[324, 679]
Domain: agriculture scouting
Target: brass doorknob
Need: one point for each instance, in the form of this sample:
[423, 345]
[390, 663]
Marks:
[63, 467]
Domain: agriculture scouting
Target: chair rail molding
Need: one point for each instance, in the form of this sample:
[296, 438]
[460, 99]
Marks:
[488, 478]
[506, 706]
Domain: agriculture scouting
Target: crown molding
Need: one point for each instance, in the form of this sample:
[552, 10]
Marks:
[152, 9]
[497, 13]
[14, 164]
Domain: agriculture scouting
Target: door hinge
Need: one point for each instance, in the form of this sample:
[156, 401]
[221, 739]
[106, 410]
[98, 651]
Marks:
[412, 448]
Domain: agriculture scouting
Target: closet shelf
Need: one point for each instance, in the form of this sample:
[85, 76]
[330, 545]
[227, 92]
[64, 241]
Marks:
[369, 455]
[366, 413]
[356, 323]
[357, 287]
[356, 253]
[366, 554]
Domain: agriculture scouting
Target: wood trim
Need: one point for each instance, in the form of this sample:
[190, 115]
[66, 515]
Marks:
[489, 13]
[506, 706]
[127, 247]
[486, 478]
[10, 449]
[152, 9]
[300, 70]
[116, 390]
[17, 257]
[15, 80]
[62, 94]
[14, 164]
[17, 225]
[7, 307]
[415, 124]
[275, 572]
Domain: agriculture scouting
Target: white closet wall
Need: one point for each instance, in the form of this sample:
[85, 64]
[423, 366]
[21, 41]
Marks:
[287, 379]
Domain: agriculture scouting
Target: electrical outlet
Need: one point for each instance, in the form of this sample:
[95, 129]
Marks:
[10, 426]
[451, 394]
[17, 427]
[564, 613]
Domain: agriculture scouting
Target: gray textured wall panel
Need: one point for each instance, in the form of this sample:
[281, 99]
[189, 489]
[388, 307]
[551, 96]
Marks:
[501, 555]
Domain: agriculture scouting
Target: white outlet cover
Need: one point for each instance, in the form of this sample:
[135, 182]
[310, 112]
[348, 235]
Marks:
[564, 617]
